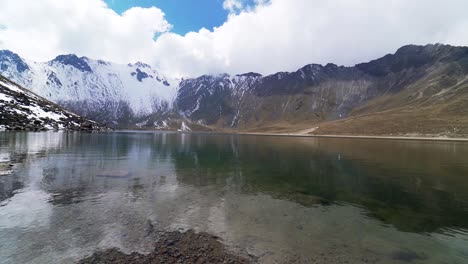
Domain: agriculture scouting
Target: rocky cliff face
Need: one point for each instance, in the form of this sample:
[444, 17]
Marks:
[22, 110]
[311, 94]
[315, 94]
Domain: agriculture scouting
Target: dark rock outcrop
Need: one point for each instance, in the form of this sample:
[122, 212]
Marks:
[74, 61]
[10, 59]
[22, 110]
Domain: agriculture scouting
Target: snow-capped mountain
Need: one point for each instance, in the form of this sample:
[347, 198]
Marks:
[423, 87]
[20, 109]
[96, 89]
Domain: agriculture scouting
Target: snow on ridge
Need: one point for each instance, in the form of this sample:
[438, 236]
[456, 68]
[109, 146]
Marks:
[141, 124]
[161, 124]
[142, 87]
[20, 105]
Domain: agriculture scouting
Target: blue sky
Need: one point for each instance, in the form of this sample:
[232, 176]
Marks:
[184, 15]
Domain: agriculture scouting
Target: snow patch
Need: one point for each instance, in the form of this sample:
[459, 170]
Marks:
[184, 127]
[160, 125]
[11, 86]
[142, 124]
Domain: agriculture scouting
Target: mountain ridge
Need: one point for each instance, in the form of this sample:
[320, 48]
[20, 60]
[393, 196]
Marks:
[284, 101]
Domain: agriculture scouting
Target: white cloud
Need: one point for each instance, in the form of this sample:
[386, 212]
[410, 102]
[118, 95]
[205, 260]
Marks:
[232, 5]
[42, 29]
[276, 35]
[287, 34]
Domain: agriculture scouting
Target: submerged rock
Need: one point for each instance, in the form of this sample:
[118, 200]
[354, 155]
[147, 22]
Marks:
[408, 256]
[114, 174]
[6, 168]
[173, 247]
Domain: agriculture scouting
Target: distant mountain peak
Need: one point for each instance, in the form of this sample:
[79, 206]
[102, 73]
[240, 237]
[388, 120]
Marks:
[141, 65]
[7, 53]
[331, 66]
[250, 74]
[9, 58]
[102, 62]
[413, 56]
[311, 67]
[411, 48]
[213, 76]
[74, 61]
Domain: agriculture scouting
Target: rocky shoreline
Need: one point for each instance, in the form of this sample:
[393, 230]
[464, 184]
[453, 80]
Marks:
[174, 247]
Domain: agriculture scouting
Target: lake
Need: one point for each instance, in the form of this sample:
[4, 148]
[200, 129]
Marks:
[281, 199]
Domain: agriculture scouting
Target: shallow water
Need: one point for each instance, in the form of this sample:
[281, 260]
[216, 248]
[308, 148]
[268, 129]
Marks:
[278, 198]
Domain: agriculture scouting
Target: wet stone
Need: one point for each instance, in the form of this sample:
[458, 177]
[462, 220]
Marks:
[173, 247]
